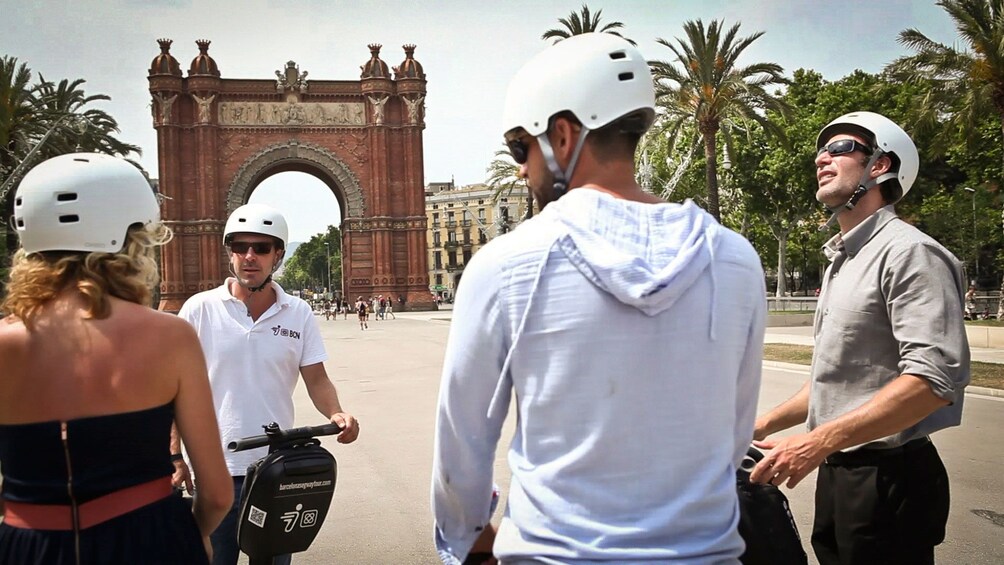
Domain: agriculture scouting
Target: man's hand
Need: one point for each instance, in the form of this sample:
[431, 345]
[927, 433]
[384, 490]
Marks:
[182, 478]
[349, 425]
[790, 459]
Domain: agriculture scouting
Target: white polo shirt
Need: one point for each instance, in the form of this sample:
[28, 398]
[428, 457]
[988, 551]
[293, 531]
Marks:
[253, 364]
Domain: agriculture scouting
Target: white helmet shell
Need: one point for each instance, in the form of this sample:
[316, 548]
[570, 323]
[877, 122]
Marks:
[257, 218]
[887, 135]
[599, 77]
[82, 202]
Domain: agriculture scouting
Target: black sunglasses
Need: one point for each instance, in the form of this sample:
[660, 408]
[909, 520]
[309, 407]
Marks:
[844, 146]
[518, 149]
[260, 247]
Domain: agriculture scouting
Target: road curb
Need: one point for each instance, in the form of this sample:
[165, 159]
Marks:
[804, 369]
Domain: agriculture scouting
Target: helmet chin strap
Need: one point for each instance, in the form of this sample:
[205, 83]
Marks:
[863, 186]
[561, 178]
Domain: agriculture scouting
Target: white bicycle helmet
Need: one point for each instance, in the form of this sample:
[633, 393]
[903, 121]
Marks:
[887, 136]
[82, 202]
[599, 77]
[257, 218]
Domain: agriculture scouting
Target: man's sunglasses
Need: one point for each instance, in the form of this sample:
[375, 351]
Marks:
[844, 146]
[260, 247]
[518, 149]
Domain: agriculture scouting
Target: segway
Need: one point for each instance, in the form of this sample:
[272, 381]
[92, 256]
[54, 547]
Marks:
[765, 520]
[286, 494]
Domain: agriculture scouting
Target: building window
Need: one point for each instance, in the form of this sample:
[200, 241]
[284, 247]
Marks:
[452, 236]
[481, 214]
[467, 256]
[439, 280]
[451, 259]
[437, 260]
[481, 202]
[482, 238]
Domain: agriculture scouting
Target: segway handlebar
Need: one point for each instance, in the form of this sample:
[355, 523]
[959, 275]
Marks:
[273, 435]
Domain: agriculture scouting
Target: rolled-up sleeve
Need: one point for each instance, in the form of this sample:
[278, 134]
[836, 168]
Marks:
[923, 287]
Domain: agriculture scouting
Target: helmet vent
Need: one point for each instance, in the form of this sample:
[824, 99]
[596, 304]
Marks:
[625, 76]
[618, 55]
[267, 222]
[17, 201]
[81, 160]
[20, 222]
[69, 219]
[66, 197]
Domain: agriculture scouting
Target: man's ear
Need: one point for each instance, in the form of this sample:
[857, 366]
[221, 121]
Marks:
[881, 166]
[564, 135]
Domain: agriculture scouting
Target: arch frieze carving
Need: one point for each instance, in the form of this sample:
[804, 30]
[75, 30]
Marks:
[297, 152]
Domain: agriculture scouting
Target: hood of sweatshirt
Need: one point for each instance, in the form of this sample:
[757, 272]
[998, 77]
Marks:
[644, 255]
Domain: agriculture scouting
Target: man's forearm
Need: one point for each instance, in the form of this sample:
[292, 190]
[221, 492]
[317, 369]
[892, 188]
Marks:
[791, 412]
[898, 405]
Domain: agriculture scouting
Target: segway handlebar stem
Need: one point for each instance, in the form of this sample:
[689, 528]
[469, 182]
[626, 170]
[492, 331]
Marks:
[274, 436]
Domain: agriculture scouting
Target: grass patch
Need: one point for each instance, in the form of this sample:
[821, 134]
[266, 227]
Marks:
[989, 375]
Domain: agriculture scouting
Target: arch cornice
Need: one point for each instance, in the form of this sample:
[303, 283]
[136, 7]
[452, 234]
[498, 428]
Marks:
[296, 152]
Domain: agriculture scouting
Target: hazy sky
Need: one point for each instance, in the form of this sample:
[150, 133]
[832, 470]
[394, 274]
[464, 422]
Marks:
[469, 49]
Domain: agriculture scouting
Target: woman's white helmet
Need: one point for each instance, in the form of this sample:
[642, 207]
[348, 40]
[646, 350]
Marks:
[257, 218]
[82, 202]
[599, 77]
[887, 136]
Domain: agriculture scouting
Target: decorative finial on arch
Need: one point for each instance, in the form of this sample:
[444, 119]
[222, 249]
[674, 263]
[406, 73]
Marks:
[409, 50]
[165, 45]
[203, 45]
[375, 49]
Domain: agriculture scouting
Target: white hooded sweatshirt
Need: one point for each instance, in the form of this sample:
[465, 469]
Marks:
[631, 337]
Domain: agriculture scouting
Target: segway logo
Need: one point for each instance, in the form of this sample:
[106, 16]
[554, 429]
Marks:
[307, 518]
[285, 332]
[257, 516]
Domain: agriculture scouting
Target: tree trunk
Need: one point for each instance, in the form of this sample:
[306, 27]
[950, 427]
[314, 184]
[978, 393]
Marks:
[1000, 301]
[711, 168]
[782, 249]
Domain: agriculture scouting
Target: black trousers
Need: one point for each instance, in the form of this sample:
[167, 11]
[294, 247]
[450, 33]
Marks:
[881, 506]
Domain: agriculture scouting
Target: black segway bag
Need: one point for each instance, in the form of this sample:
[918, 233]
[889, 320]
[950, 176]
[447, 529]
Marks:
[765, 521]
[285, 499]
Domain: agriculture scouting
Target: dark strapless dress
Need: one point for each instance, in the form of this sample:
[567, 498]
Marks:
[106, 454]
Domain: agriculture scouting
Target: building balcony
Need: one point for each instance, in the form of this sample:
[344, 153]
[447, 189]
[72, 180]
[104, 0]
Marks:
[435, 225]
[465, 223]
[451, 244]
[450, 224]
[454, 267]
[436, 245]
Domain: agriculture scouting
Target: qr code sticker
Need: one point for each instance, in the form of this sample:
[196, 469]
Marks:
[257, 516]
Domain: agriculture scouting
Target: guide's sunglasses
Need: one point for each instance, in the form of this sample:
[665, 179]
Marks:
[519, 150]
[260, 247]
[844, 146]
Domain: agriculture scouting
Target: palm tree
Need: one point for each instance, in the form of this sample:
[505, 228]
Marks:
[91, 131]
[576, 24]
[18, 110]
[503, 179]
[704, 85]
[962, 87]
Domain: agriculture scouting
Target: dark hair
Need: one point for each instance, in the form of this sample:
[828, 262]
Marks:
[616, 140]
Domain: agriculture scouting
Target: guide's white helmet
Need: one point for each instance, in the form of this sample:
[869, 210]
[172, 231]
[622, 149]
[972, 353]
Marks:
[886, 136]
[598, 77]
[82, 202]
[257, 218]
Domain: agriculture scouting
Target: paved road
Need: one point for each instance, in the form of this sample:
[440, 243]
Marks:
[388, 376]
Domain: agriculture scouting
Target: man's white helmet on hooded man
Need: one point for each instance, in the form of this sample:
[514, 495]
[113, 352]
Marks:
[884, 137]
[82, 202]
[262, 220]
[598, 77]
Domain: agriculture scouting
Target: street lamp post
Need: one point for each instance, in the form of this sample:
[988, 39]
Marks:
[972, 191]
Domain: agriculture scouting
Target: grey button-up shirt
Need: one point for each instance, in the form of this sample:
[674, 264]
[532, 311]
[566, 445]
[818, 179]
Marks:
[891, 304]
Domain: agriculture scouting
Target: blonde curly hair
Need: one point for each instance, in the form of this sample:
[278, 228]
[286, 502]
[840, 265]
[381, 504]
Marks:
[130, 274]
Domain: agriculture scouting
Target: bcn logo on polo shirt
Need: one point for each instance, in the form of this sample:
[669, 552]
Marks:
[284, 332]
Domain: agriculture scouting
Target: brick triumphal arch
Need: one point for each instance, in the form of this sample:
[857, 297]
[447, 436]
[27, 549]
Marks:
[219, 138]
